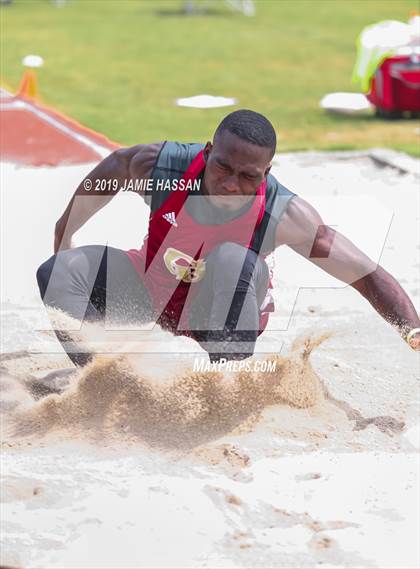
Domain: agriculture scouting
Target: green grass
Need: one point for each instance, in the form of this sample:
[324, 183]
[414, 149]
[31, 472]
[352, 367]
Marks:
[117, 66]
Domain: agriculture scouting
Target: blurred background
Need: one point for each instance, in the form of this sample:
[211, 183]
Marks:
[118, 66]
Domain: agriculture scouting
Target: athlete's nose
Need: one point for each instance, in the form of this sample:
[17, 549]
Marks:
[231, 185]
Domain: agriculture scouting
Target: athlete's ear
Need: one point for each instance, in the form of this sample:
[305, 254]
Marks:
[267, 171]
[207, 150]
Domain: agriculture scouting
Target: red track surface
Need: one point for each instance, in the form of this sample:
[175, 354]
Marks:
[34, 135]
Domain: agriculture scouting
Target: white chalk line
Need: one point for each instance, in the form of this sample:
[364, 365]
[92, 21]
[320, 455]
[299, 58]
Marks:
[13, 105]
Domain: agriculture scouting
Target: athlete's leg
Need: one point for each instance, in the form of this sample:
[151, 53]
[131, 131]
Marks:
[90, 282]
[225, 313]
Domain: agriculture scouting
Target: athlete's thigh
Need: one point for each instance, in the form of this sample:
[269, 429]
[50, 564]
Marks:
[127, 298]
[221, 273]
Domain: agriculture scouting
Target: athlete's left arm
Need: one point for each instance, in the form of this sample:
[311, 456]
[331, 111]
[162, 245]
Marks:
[302, 229]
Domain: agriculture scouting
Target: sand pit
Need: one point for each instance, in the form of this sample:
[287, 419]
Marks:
[172, 406]
[138, 461]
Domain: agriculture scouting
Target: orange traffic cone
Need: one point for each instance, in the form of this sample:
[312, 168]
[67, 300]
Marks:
[28, 85]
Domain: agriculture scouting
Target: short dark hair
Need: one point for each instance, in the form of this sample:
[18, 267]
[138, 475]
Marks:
[250, 126]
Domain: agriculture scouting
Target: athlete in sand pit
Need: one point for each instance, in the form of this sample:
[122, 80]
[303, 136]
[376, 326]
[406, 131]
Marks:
[216, 213]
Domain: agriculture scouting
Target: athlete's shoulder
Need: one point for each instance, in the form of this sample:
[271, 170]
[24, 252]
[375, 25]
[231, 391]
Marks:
[175, 157]
[277, 199]
[140, 158]
[277, 196]
[274, 187]
[171, 163]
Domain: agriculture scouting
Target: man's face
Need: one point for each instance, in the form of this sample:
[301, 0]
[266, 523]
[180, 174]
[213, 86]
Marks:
[234, 170]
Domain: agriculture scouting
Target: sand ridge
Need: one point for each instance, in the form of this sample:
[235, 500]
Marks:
[148, 398]
[111, 397]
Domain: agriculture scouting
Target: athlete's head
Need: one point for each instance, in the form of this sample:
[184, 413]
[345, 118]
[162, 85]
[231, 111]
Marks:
[239, 158]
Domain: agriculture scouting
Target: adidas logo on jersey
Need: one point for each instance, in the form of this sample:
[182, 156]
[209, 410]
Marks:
[171, 218]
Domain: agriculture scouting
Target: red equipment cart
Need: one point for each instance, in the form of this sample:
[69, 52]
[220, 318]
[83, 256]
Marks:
[395, 88]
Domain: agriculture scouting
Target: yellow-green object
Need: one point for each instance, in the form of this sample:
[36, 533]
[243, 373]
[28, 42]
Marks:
[366, 65]
[375, 44]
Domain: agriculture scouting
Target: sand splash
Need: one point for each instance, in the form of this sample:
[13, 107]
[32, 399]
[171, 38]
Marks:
[118, 396]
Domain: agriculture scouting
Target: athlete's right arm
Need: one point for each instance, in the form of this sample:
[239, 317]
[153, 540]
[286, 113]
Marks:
[123, 165]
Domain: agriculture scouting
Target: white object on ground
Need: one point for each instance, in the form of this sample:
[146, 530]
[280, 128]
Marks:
[377, 42]
[205, 102]
[33, 61]
[347, 103]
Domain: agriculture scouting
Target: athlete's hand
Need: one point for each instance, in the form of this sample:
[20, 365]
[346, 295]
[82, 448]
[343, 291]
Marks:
[414, 342]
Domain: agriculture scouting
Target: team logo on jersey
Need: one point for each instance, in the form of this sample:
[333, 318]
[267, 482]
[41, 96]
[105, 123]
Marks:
[184, 267]
[171, 218]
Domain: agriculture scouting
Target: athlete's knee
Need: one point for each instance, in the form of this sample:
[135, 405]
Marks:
[233, 264]
[230, 255]
[43, 275]
[227, 250]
